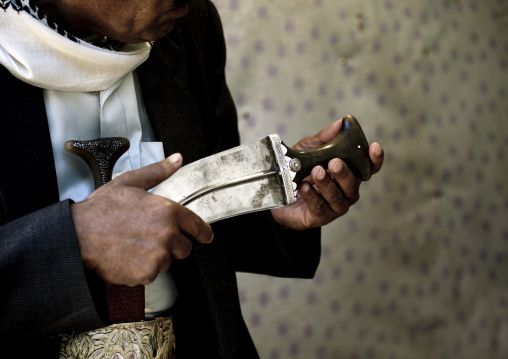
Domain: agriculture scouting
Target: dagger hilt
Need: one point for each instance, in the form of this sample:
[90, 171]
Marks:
[350, 145]
[125, 304]
[100, 154]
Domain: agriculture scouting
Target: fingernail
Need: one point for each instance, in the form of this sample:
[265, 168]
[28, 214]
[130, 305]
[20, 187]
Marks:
[378, 150]
[336, 166]
[305, 188]
[321, 174]
[175, 158]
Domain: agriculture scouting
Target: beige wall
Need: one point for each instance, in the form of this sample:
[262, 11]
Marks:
[419, 267]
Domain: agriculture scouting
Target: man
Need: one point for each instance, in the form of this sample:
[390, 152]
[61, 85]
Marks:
[62, 78]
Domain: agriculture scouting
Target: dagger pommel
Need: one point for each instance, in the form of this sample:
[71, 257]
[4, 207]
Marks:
[100, 154]
[350, 145]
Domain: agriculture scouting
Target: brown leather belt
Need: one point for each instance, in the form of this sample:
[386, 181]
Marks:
[152, 339]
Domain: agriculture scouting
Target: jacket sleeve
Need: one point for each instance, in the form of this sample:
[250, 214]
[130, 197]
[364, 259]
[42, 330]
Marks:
[257, 244]
[45, 290]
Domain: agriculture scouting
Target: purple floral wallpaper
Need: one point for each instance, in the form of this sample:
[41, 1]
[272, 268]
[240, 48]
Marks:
[418, 268]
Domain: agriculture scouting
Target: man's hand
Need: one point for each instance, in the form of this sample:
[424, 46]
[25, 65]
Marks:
[326, 194]
[127, 235]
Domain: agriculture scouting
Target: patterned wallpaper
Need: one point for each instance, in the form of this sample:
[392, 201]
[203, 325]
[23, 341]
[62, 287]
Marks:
[419, 267]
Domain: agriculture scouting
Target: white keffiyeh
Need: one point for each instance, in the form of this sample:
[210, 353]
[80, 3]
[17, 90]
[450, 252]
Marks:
[40, 53]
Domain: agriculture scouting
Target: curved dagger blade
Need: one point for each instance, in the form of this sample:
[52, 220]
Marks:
[243, 179]
[261, 174]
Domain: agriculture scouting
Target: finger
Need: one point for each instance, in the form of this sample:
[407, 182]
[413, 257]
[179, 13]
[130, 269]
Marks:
[151, 175]
[330, 191]
[181, 246]
[168, 262]
[329, 133]
[345, 178]
[192, 225]
[324, 136]
[318, 211]
[377, 156]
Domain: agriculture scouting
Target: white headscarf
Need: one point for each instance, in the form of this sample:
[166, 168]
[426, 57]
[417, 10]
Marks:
[37, 51]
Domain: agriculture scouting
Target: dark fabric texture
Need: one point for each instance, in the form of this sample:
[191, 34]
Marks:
[46, 291]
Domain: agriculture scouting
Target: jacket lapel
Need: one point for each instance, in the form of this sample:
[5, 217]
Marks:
[171, 105]
[25, 145]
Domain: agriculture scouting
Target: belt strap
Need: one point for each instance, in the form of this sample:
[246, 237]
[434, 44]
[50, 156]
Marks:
[125, 304]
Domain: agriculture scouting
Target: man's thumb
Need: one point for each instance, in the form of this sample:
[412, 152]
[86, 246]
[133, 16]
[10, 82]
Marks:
[151, 175]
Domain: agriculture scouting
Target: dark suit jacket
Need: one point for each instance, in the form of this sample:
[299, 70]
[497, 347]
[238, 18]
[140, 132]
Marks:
[45, 290]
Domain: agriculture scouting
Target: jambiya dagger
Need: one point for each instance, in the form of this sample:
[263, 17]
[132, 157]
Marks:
[255, 176]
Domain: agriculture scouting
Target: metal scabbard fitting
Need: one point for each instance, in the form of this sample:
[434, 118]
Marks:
[152, 339]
